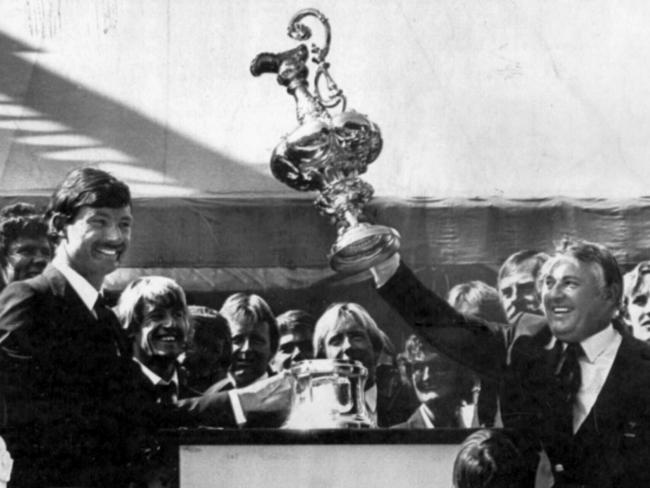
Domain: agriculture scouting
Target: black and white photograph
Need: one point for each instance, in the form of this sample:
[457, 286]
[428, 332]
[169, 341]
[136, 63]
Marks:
[332, 244]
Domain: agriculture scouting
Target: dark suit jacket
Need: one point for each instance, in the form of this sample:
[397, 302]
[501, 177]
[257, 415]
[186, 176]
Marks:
[66, 382]
[416, 421]
[75, 411]
[254, 420]
[611, 448]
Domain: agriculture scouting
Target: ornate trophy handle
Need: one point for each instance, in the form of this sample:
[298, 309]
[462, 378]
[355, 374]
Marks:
[327, 152]
[301, 32]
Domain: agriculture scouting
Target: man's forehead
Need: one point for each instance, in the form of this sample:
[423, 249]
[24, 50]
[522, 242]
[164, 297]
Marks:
[115, 212]
[561, 266]
[296, 336]
[345, 326]
[248, 328]
[518, 277]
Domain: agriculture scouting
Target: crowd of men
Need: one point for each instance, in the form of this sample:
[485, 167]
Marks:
[555, 353]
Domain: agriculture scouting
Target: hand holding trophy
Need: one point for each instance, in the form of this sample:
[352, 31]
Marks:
[327, 152]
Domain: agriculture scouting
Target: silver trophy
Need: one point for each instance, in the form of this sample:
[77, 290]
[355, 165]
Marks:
[328, 394]
[328, 151]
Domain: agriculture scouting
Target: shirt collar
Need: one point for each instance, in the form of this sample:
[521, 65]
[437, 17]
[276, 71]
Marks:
[596, 344]
[371, 398]
[79, 284]
[154, 378]
[427, 415]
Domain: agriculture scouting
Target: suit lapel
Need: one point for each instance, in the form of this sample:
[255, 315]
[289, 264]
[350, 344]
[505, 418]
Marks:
[611, 398]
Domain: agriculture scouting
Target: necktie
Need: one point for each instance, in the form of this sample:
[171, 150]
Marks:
[165, 392]
[569, 379]
[109, 323]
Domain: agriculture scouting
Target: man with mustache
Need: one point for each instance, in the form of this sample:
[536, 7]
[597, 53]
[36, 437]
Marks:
[579, 388]
[75, 414]
[63, 358]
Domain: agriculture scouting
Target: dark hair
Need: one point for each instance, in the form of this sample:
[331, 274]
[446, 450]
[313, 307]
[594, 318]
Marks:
[246, 308]
[207, 327]
[489, 459]
[591, 252]
[84, 187]
[295, 320]
[19, 220]
[416, 350]
[526, 259]
[480, 295]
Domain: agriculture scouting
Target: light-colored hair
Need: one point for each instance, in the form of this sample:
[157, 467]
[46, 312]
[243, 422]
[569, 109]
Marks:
[346, 311]
[633, 280]
[480, 295]
[158, 291]
[527, 259]
[244, 308]
[590, 253]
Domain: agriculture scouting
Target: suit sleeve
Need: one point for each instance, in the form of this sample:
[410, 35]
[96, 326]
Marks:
[468, 340]
[210, 409]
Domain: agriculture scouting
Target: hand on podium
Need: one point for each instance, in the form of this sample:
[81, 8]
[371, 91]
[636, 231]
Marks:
[270, 395]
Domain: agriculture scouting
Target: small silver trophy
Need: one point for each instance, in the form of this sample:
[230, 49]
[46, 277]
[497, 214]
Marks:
[327, 152]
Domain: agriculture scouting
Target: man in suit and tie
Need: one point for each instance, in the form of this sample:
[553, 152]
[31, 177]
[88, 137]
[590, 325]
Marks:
[578, 387]
[153, 312]
[63, 355]
[74, 414]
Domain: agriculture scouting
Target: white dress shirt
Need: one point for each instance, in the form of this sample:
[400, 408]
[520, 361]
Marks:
[595, 364]
[79, 284]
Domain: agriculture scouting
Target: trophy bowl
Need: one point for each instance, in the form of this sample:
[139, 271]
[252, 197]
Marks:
[328, 394]
[327, 152]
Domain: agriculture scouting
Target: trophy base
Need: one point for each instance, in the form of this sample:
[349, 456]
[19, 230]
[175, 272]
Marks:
[363, 246]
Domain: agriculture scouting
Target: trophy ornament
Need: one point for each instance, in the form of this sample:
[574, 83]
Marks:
[328, 152]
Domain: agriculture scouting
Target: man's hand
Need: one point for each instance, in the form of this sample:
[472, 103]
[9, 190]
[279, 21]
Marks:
[270, 395]
[384, 271]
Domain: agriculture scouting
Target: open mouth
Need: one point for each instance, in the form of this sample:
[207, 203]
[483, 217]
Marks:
[560, 311]
[110, 251]
[168, 338]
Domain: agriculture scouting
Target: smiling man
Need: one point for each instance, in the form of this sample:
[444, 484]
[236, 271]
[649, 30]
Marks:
[62, 353]
[578, 388]
[25, 248]
[153, 311]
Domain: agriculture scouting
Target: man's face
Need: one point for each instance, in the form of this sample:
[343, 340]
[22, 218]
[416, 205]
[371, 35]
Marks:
[251, 351]
[639, 309]
[162, 333]
[575, 302]
[293, 347]
[95, 241]
[350, 341]
[518, 294]
[434, 378]
[26, 257]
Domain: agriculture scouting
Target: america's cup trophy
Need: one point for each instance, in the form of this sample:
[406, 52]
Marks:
[329, 149]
